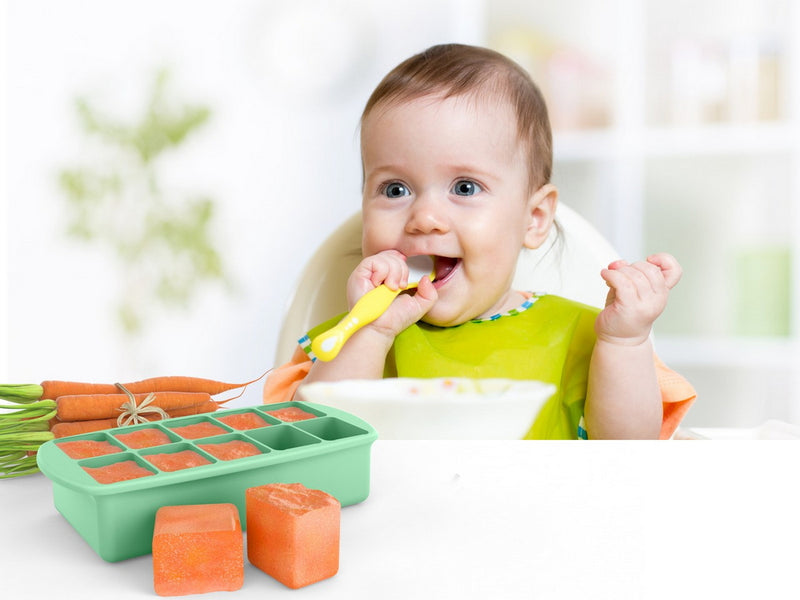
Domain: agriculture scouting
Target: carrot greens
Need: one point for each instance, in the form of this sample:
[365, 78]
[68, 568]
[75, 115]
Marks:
[24, 426]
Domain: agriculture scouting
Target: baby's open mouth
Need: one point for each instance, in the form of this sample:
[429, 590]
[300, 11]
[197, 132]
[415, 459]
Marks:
[444, 266]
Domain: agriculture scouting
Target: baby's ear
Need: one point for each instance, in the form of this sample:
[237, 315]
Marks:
[541, 213]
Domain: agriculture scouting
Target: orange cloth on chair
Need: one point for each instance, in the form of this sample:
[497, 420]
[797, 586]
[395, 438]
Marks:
[282, 382]
[677, 396]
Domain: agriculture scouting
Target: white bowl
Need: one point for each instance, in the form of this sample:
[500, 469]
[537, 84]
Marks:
[438, 408]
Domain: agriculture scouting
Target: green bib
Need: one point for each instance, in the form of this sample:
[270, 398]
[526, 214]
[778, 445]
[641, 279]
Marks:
[548, 338]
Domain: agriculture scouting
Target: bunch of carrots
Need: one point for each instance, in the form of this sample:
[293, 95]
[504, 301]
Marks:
[55, 409]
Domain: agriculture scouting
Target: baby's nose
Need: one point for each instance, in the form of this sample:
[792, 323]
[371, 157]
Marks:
[428, 215]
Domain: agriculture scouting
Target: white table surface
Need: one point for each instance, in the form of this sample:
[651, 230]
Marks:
[689, 519]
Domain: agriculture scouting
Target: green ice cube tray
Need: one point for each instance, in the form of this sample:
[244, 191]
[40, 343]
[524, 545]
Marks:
[329, 452]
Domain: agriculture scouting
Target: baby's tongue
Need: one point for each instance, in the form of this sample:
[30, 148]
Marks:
[443, 265]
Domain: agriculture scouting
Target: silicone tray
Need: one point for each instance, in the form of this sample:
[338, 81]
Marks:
[330, 452]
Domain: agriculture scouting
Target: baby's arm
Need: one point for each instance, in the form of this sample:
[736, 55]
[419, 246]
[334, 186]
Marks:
[623, 398]
[364, 354]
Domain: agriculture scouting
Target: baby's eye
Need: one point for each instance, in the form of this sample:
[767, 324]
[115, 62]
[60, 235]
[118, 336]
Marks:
[395, 190]
[465, 187]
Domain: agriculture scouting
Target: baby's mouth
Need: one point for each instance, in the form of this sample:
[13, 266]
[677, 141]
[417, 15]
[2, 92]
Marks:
[444, 267]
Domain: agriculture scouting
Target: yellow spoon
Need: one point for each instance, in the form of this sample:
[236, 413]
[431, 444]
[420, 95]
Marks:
[370, 306]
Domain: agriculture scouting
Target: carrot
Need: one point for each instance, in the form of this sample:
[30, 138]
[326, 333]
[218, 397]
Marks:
[87, 407]
[66, 428]
[52, 389]
[197, 409]
[61, 429]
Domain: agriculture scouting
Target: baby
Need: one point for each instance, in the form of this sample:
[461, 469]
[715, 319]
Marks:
[457, 155]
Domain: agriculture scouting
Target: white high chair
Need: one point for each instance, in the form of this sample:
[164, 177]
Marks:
[568, 264]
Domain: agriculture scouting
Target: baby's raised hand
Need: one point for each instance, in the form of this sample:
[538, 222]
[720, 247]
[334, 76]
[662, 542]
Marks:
[389, 268]
[637, 296]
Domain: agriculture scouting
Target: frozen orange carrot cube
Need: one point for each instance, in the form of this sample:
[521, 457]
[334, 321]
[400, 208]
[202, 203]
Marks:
[88, 448]
[143, 438]
[175, 461]
[291, 414]
[198, 430]
[118, 471]
[293, 532]
[243, 421]
[197, 548]
[230, 450]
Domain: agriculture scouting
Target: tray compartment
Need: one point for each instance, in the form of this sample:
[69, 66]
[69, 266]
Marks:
[282, 437]
[192, 428]
[329, 428]
[305, 407]
[259, 417]
[98, 462]
[98, 436]
[160, 457]
[225, 439]
[134, 436]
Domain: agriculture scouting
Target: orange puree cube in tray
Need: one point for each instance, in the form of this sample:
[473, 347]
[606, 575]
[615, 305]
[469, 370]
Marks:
[88, 448]
[175, 461]
[291, 414]
[197, 549]
[199, 430]
[143, 438]
[111, 500]
[293, 532]
[231, 450]
[243, 421]
[118, 471]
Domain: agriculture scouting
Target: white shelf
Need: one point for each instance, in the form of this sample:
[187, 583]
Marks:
[732, 352]
[589, 145]
[723, 139]
[751, 139]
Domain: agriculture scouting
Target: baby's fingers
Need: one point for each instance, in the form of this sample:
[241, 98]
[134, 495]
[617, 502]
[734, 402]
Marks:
[388, 268]
[408, 308]
[633, 282]
[616, 278]
[670, 268]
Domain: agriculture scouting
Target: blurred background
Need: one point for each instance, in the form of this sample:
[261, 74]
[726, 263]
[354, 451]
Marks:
[169, 167]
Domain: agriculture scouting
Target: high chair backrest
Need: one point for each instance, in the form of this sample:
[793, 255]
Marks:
[568, 264]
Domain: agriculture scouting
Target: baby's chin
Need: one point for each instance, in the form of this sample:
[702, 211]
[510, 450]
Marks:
[438, 316]
[441, 323]
[444, 315]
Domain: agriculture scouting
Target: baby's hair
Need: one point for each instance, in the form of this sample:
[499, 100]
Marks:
[457, 69]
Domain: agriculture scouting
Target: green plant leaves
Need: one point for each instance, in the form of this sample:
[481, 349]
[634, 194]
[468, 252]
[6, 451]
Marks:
[161, 240]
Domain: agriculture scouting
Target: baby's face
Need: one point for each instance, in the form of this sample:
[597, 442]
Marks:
[448, 177]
